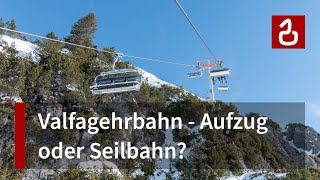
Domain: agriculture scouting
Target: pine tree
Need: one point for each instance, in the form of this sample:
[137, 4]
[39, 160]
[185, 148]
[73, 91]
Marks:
[106, 58]
[13, 72]
[12, 25]
[51, 53]
[37, 82]
[52, 60]
[81, 59]
[83, 30]
[4, 64]
[2, 24]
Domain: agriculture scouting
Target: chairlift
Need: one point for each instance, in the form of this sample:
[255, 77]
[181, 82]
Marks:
[223, 88]
[194, 74]
[117, 80]
[197, 73]
[220, 72]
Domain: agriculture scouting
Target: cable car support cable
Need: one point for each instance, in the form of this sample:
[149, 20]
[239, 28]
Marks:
[194, 27]
[96, 49]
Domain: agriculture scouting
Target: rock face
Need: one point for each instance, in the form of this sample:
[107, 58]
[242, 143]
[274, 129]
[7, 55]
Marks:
[304, 137]
[293, 142]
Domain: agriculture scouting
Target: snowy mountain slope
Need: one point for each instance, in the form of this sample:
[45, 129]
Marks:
[24, 48]
[153, 80]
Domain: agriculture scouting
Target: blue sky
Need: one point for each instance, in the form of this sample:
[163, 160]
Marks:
[239, 32]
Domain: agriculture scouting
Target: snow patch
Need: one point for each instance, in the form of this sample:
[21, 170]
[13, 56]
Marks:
[72, 87]
[65, 51]
[153, 80]
[100, 165]
[252, 175]
[300, 149]
[166, 166]
[38, 174]
[137, 172]
[11, 98]
[24, 48]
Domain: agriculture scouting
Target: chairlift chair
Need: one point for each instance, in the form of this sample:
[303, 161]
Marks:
[197, 73]
[223, 88]
[194, 74]
[220, 72]
[117, 80]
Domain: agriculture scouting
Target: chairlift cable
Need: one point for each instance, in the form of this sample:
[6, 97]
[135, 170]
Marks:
[194, 27]
[96, 49]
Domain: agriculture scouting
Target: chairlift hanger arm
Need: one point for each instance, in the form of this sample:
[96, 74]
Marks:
[116, 57]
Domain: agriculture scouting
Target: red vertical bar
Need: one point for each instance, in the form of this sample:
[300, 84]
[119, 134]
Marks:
[20, 135]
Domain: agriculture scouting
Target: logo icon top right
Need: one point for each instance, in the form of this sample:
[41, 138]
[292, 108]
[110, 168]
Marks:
[288, 32]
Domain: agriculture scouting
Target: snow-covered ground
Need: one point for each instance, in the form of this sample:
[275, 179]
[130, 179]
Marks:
[153, 80]
[72, 87]
[310, 153]
[24, 48]
[164, 166]
[10, 98]
[251, 175]
[100, 165]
